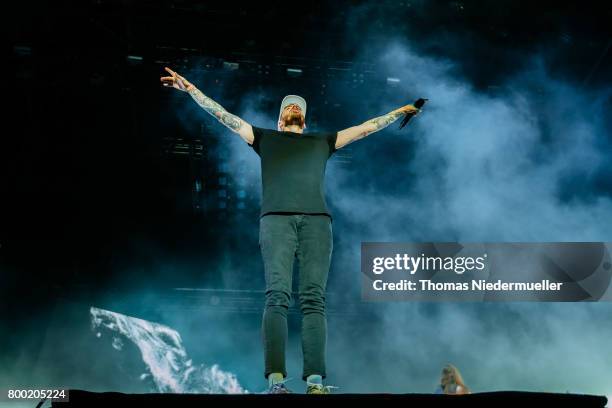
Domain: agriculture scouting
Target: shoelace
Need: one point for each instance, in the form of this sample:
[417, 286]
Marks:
[327, 388]
[278, 384]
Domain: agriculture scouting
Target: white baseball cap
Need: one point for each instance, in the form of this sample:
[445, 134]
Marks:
[292, 99]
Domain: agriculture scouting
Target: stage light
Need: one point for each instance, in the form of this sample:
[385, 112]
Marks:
[22, 50]
[134, 59]
[566, 38]
[294, 72]
[231, 66]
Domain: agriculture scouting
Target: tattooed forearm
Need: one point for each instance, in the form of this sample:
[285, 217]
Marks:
[382, 122]
[353, 133]
[233, 122]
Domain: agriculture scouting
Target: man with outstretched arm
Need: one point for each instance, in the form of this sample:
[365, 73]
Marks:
[294, 222]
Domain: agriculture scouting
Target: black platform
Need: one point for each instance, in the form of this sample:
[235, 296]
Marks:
[78, 398]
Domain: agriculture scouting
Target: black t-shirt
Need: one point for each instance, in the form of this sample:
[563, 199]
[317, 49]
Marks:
[293, 170]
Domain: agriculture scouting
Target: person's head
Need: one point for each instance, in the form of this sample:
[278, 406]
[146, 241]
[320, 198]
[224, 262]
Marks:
[292, 114]
[451, 381]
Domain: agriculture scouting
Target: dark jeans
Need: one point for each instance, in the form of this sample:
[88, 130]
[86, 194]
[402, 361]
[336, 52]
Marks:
[309, 238]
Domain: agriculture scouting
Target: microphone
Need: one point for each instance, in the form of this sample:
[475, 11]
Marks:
[418, 104]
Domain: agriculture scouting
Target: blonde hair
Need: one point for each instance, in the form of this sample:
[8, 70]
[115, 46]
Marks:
[451, 381]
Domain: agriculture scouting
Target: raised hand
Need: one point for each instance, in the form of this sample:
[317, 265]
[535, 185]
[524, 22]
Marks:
[409, 109]
[232, 122]
[175, 81]
[412, 110]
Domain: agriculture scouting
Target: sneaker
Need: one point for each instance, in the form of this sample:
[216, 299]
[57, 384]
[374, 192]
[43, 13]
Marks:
[278, 388]
[318, 389]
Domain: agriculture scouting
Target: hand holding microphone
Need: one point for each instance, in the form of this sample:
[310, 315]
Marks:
[412, 110]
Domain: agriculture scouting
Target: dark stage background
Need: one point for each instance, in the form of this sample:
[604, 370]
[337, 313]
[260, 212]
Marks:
[122, 195]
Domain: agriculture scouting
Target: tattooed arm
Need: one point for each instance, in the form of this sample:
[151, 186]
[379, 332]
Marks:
[232, 122]
[351, 134]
